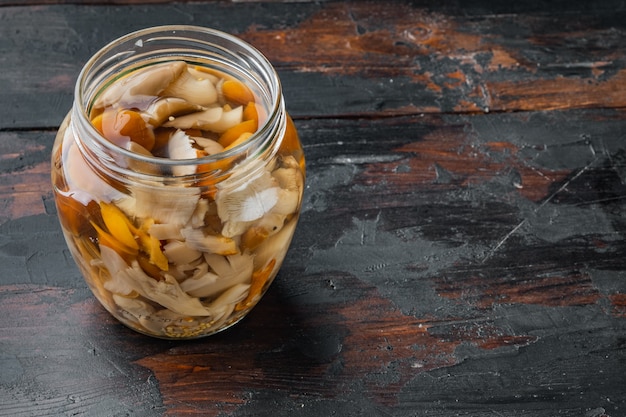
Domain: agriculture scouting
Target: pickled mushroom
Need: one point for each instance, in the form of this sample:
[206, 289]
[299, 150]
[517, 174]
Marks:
[85, 183]
[165, 292]
[138, 165]
[275, 246]
[227, 270]
[149, 81]
[236, 91]
[210, 146]
[178, 252]
[232, 296]
[182, 257]
[180, 146]
[118, 225]
[250, 201]
[163, 108]
[135, 307]
[165, 231]
[171, 205]
[114, 264]
[195, 89]
[267, 226]
[198, 120]
[198, 240]
[214, 119]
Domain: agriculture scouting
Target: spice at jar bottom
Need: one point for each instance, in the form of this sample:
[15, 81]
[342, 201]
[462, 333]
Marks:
[178, 179]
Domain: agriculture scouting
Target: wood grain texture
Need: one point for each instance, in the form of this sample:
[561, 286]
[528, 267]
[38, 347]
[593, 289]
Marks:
[461, 246]
[372, 58]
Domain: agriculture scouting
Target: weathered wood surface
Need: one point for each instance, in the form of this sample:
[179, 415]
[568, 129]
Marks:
[461, 249]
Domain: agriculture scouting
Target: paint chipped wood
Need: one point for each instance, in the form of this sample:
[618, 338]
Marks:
[461, 247]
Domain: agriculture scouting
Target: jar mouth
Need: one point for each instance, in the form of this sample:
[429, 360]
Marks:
[191, 44]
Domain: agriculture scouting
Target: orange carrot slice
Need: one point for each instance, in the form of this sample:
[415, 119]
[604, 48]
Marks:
[259, 279]
[118, 225]
[106, 239]
[237, 92]
[232, 134]
[123, 126]
[97, 122]
[132, 125]
[241, 139]
[250, 112]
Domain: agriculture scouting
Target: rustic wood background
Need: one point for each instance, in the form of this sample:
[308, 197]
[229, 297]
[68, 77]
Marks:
[461, 250]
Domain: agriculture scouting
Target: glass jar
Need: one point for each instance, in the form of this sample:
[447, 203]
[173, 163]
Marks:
[178, 179]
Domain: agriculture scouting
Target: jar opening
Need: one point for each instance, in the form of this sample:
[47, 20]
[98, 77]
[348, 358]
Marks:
[206, 49]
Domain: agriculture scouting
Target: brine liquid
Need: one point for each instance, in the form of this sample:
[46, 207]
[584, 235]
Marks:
[179, 260]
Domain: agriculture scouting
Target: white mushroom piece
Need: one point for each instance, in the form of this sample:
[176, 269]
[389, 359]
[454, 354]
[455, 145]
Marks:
[173, 206]
[84, 182]
[239, 206]
[149, 81]
[194, 88]
[180, 147]
[226, 271]
[166, 292]
[214, 119]
[164, 108]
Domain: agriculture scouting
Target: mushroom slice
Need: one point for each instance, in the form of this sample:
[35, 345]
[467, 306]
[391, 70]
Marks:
[180, 147]
[81, 179]
[276, 246]
[139, 165]
[202, 72]
[200, 286]
[214, 119]
[114, 264]
[165, 205]
[135, 307]
[150, 81]
[269, 225]
[179, 253]
[233, 295]
[260, 279]
[193, 88]
[227, 271]
[229, 119]
[289, 178]
[288, 202]
[165, 231]
[246, 203]
[202, 208]
[165, 107]
[166, 292]
[197, 120]
[210, 146]
[196, 239]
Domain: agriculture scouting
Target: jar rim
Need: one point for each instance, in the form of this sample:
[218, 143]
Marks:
[191, 35]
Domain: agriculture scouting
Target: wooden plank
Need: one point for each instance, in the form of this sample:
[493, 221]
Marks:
[24, 173]
[454, 272]
[449, 260]
[408, 59]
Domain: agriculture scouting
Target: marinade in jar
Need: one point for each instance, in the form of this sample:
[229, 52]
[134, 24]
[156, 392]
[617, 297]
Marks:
[174, 258]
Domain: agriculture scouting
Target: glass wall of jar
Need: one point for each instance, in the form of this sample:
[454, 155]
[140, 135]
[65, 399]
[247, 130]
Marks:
[178, 179]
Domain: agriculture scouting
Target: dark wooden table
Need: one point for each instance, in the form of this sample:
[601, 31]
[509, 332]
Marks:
[461, 251]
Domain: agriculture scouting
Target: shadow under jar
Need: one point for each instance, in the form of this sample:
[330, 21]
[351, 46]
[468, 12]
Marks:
[178, 179]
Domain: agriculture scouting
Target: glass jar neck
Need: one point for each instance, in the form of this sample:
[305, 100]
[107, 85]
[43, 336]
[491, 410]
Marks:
[196, 46]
